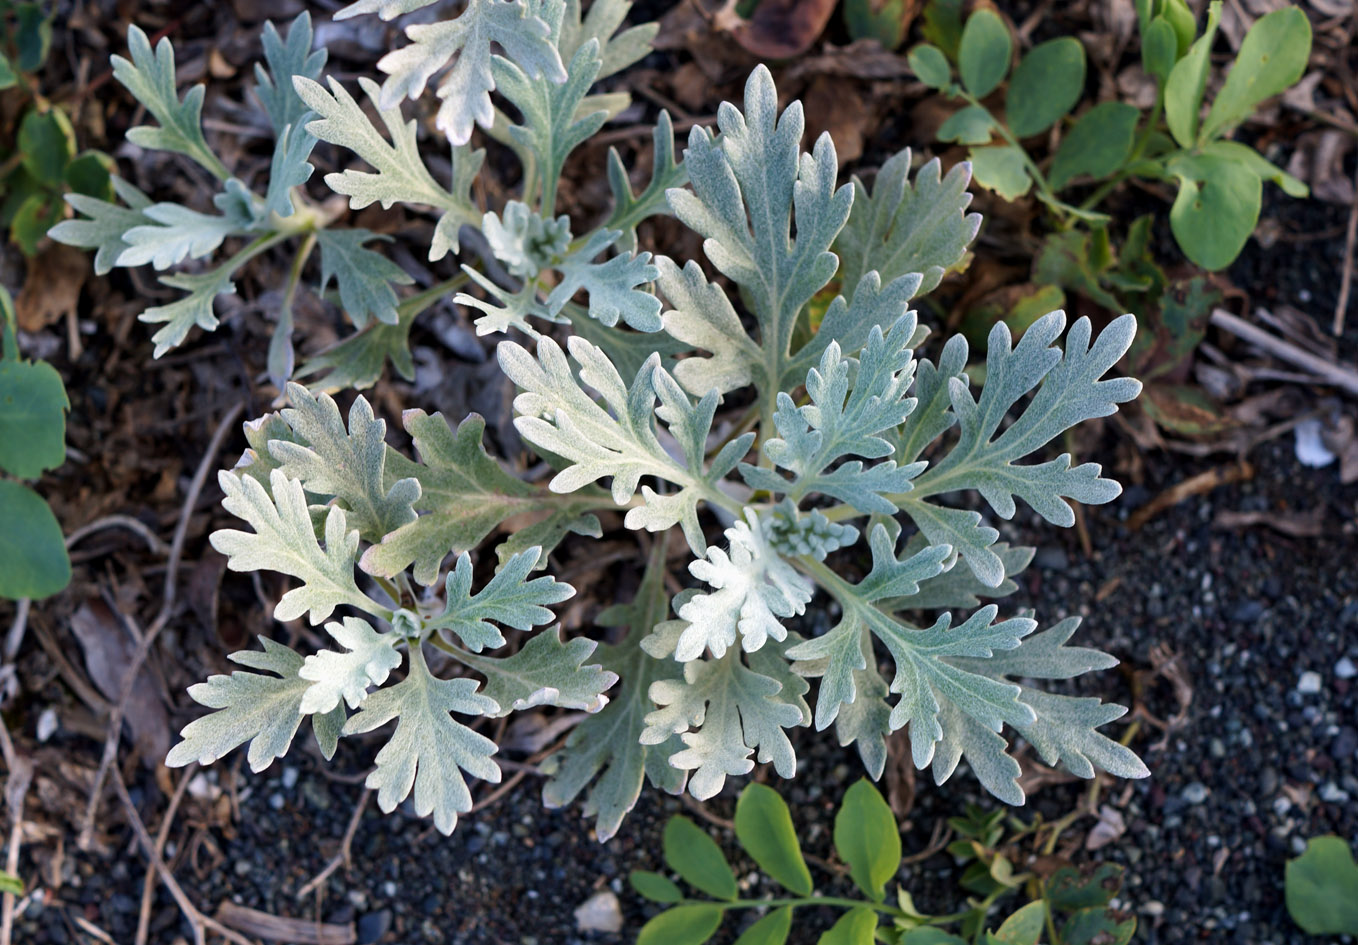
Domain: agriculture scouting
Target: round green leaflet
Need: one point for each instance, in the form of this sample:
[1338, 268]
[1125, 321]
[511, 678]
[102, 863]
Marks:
[764, 829]
[1045, 86]
[33, 560]
[983, 57]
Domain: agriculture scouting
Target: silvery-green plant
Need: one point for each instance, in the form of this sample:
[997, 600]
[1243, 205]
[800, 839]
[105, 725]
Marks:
[835, 430]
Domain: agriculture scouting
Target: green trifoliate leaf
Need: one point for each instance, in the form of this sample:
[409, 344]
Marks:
[348, 465]
[629, 208]
[791, 532]
[725, 711]
[547, 671]
[287, 58]
[364, 277]
[604, 752]
[429, 749]
[150, 78]
[367, 660]
[900, 227]
[846, 420]
[464, 494]
[400, 173]
[264, 710]
[465, 89]
[1071, 392]
[613, 285]
[105, 224]
[285, 541]
[180, 316]
[618, 438]
[754, 587]
[510, 598]
[742, 204]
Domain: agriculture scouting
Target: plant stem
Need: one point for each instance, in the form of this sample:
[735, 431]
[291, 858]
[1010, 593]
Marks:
[808, 902]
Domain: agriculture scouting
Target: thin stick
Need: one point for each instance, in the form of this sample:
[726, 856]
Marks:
[198, 920]
[16, 788]
[16, 629]
[152, 632]
[1346, 280]
[341, 857]
[1326, 372]
[162, 837]
[118, 521]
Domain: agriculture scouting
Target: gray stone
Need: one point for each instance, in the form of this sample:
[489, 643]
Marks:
[1309, 683]
[1195, 793]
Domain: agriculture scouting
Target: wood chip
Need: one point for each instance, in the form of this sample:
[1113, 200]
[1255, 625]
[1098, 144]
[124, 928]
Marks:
[278, 929]
[1200, 484]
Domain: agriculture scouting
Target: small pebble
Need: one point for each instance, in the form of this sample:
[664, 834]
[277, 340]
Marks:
[1310, 683]
[601, 912]
[373, 926]
[1332, 793]
[276, 801]
[1345, 669]
[290, 776]
[1195, 793]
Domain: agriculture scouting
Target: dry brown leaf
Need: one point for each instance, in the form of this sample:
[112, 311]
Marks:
[1319, 161]
[52, 289]
[108, 652]
[779, 29]
[837, 105]
[865, 59]
[1110, 827]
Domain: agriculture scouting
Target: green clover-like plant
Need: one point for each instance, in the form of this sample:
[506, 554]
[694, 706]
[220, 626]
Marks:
[1070, 907]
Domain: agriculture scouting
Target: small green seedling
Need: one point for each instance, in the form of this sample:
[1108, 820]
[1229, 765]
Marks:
[1070, 907]
[1321, 887]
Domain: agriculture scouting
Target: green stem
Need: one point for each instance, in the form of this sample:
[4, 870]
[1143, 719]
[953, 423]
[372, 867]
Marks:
[1039, 179]
[808, 902]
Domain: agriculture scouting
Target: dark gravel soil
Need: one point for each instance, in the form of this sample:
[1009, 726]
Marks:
[1267, 630]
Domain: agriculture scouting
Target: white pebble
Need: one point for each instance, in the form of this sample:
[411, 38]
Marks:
[1310, 683]
[1345, 669]
[290, 775]
[47, 724]
[601, 912]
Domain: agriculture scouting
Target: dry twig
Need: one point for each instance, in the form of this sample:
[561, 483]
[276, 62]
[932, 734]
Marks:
[1327, 372]
[162, 837]
[197, 919]
[1346, 280]
[16, 788]
[341, 857]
